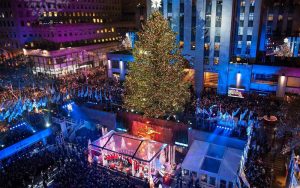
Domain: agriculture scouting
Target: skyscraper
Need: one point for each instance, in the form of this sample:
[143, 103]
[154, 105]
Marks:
[211, 32]
[62, 36]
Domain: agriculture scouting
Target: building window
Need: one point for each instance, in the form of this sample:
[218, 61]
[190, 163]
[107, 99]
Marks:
[240, 37]
[212, 180]
[203, 178]
[222, 184]
[216, 61]
[217, 46]
[250, 23]
[249, 37]
[241, 23]
[216, 53]
[242, 16]
[252, 8]
[206, 61]
[251, 16]
[270, 17]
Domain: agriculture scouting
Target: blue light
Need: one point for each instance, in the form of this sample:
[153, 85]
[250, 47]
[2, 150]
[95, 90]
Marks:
[48, 124]
[123, 130]
[181, 144]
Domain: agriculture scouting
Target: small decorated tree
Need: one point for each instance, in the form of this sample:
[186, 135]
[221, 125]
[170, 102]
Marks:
[154, 85]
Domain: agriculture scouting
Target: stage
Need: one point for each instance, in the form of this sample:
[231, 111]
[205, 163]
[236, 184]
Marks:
[134, 156]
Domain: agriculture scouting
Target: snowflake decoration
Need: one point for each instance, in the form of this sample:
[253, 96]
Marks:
[38, 7]
[156, 4]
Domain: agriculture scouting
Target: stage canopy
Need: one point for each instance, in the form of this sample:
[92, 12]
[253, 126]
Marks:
[134, 147]
[215, 160]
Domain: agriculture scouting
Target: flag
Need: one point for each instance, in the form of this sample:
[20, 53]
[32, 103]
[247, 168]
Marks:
[79, 93]
[96, 95]
[100, 95]
[82, 92]
[1, 116]
[90, 93]
[7, 114]
[87, 92]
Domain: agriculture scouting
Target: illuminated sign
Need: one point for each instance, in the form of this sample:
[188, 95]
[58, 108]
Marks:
[236, 92]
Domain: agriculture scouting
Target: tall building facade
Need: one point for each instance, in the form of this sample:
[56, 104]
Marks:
[247, 28]
[281, 20]
[222, 38]
[211, 32]
[62, 36]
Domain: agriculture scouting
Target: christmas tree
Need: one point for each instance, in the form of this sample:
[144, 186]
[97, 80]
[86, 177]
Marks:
[154, 85]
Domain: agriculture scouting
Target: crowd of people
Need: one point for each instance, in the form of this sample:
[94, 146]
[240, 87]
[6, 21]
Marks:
[254, 104]
[89, 84]
[59, 166]
[66, 166]
[257, 173]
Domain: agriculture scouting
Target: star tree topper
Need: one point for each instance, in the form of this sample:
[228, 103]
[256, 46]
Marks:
[156, 4]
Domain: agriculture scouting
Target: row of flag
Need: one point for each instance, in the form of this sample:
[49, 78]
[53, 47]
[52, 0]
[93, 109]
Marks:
[10, 110]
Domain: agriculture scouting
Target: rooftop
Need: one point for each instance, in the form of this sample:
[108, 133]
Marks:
[131, 146]
[206, 157]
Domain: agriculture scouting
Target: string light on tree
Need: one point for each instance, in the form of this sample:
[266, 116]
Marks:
[155, 83]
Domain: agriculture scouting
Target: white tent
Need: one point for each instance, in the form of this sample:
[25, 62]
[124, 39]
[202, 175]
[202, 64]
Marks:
[214, 161]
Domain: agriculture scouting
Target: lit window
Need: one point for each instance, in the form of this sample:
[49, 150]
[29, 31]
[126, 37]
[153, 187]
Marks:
[241, 31]
[217, 46]
[216, 60]
[28, 24]
[50, 14]
[251, 16]
[105, 30]
[55, 14]
[112, 29]
[94, 20]
[45, 14]
[249, 31]
[206, 46]
[242, 16]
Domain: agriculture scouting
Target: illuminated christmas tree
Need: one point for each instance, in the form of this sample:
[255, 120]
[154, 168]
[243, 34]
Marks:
[154, 85]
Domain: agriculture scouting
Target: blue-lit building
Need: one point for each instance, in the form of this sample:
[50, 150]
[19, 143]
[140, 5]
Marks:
[213, 31]
[222, 40]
